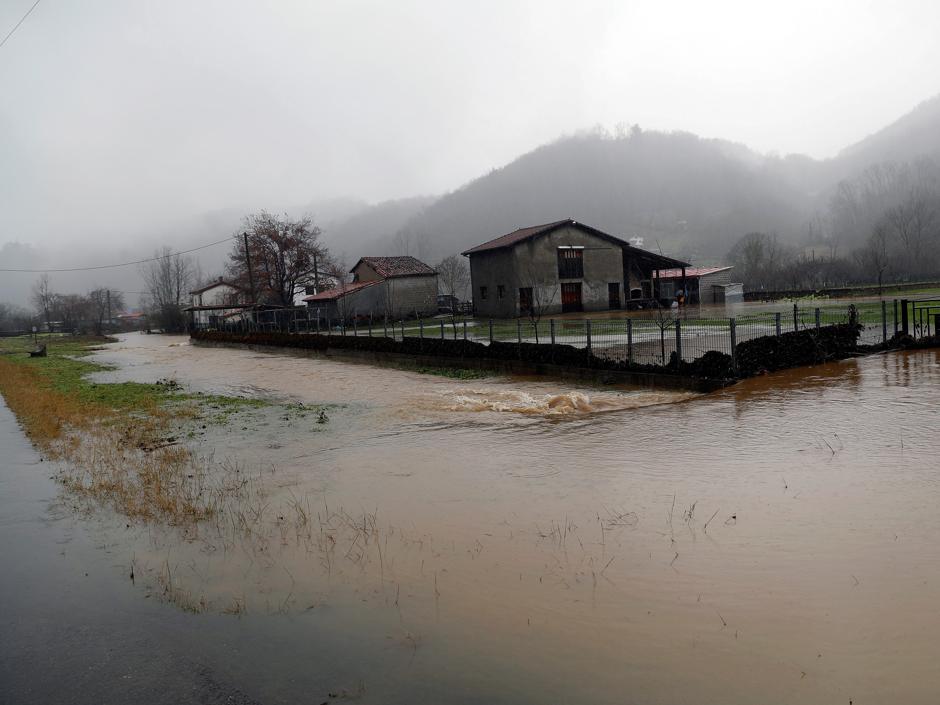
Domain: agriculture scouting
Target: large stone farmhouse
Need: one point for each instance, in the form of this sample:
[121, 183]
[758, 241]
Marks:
[562, 267]
[397, 287]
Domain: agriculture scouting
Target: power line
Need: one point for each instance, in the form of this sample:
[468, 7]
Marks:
[122, 264]
[17, 25]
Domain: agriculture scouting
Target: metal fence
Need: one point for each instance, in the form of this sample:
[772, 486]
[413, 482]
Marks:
[650, 339]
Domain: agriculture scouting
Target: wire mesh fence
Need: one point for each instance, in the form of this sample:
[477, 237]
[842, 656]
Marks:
[650, 338]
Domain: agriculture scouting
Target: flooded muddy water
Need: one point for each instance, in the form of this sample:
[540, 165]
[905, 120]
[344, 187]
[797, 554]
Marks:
[518, 540]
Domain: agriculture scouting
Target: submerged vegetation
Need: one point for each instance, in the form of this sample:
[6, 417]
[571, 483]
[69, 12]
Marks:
[454, 372]
[120, 441]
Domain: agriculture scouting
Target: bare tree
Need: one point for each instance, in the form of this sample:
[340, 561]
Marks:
[14, 318]
[911, 221]
[283, 255]
[875, 256]
[167, 280]
[44, 300]
[73, 311]
[536, 296]
[453, 278]
[102, 303]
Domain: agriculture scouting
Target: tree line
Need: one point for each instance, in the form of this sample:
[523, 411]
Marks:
[879, 228]
[272, 261]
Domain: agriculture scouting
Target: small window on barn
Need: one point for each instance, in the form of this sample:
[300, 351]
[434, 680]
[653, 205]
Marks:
[570, 262]
[483, 292]
[500, 291]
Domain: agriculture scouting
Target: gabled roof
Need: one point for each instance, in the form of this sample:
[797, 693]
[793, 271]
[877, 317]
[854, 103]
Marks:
[519, 235]
[522, 234]
[340, 291]
[388, 267]
[690, 272]
[213, 285]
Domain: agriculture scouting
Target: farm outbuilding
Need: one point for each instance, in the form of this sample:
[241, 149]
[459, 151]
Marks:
[397, 287]
[703, 285]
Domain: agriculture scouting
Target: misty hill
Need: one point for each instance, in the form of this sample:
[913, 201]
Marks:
[690, 196]
[912, 136]
[370, 229]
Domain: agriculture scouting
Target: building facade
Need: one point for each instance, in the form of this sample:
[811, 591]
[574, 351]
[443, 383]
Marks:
[207, 302]
[396, 287]
[561, 267]
[703, 285]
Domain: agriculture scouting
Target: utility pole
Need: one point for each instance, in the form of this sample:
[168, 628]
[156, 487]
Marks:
[251, 278]
[316, 274]
[109, 309]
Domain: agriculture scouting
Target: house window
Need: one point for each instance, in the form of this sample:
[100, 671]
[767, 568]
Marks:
[570, 262]
[500, 291]
[525, 299]
[483, 292]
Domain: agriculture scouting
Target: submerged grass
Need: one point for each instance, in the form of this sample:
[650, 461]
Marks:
[115, 439]
[454, 372]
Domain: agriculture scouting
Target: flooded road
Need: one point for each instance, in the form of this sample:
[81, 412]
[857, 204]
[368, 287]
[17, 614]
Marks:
[506, 540]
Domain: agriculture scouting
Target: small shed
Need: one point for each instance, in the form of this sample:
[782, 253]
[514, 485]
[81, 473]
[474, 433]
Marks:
[703, 285]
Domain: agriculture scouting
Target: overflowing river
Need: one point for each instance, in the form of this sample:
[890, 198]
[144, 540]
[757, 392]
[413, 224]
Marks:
[522, 540]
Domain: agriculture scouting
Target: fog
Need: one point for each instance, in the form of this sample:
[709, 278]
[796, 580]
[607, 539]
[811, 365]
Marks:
[124, 126]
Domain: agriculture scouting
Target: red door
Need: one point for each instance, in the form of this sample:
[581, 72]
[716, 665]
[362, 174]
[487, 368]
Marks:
[571, 297]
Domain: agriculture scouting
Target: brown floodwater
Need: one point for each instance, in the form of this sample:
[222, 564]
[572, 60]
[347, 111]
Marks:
[508, 540]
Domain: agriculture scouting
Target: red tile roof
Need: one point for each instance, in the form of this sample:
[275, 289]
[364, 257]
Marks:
[690, 272]
[388, 267]
[340, 291]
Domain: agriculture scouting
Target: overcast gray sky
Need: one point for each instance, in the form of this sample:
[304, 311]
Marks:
[119, 118]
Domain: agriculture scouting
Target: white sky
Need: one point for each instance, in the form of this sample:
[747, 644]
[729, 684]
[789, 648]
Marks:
[119, 118]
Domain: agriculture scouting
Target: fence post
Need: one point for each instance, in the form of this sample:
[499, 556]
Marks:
[936, 324]
[905, 324]
[796, 318]
[551, 328]
[355, 328]
[421, 329]
[884, 321]
[519, 331]
[587, 333]
[733, 326]
[385, 327]
[630, 340]
[678, 340]
[817, 319]
[464, 330]
[894, 309]
[442, 330]
[491, 330]
[777, 322]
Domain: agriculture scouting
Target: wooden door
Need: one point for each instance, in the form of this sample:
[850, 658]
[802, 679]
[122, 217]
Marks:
[571, 297]
[613, 295]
